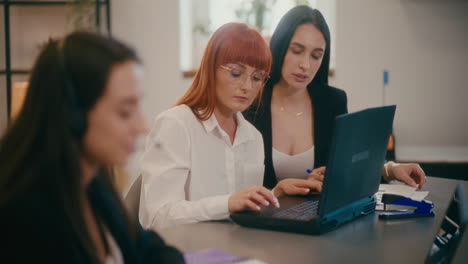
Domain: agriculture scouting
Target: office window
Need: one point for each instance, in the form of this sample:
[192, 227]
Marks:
[200, 18]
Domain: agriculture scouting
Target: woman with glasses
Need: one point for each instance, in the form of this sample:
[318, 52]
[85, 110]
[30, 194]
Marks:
[298, 107]
[203, 160]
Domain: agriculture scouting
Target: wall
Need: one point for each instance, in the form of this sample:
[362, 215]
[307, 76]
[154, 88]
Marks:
[152, 27]
[424, 46]
[328, 10]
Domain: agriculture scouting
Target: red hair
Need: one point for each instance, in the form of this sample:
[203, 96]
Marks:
[231, 43]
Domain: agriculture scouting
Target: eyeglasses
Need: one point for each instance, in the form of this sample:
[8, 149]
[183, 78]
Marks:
[238, 76]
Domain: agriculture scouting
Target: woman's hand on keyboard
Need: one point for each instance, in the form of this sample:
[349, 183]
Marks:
[317, 174]
[296, 187]
[251, 198]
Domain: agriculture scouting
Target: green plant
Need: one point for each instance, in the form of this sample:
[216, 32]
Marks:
[302, 2]
[203, 28]
[255, 12]
[82, 15]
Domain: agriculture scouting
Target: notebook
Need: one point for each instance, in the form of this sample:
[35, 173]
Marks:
[451, 240]
[353, 174]
[216, 256]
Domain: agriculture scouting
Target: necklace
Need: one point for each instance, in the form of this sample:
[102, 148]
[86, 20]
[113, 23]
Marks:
[282, 109]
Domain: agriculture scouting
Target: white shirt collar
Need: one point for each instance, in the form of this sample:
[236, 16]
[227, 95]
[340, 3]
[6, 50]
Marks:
[211, 123]
[243, 133]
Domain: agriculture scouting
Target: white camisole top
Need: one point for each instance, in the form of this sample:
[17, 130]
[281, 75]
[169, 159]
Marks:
[295, 166]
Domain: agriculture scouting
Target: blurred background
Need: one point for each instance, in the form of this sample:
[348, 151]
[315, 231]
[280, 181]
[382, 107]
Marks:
[412, 53]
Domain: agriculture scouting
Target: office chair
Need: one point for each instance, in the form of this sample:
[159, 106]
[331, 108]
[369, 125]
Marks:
[132, 199]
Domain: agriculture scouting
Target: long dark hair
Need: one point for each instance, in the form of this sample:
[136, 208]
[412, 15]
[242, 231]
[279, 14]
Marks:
[283, 34]
[40, 151]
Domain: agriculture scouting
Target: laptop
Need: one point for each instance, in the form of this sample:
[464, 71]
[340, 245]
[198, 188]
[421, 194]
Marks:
[451, 240]
[353, 174]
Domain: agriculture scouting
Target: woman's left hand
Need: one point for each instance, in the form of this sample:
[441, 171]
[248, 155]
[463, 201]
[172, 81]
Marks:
[317, 174]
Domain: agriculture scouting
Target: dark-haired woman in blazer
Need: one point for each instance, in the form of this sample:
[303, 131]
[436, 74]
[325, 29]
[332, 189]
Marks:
[297, 109]
[80, 117]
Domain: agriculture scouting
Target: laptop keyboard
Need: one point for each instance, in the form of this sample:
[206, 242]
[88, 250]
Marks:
[300, 211]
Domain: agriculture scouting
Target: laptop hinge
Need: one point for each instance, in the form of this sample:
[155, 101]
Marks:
[348, 213]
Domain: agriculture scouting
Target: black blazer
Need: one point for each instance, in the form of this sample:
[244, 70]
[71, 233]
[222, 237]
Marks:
[328, 102]
[31, 232]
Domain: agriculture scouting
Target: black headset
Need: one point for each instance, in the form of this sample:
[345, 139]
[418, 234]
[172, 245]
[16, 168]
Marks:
[77, 120]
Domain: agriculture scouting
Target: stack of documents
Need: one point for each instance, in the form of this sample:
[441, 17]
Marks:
[400, 189]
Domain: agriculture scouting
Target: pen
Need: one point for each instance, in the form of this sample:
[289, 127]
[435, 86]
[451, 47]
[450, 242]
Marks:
[309, 171]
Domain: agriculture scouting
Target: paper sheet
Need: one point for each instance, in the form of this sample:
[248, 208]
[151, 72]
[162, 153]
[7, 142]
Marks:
[397, 188]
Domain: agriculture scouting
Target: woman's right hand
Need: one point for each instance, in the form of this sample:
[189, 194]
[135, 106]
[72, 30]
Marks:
[251, 198]
[296, 187]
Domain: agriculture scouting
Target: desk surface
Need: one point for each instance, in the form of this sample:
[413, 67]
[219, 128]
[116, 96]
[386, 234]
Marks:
[365, 240]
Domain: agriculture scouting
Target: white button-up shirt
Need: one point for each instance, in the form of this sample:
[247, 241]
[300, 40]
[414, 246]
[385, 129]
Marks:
[190, 168]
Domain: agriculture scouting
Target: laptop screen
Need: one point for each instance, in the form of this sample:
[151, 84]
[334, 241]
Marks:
[357, 156]
[447, 245]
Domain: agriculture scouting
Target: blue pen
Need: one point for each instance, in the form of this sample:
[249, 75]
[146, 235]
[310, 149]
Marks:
[309, 171]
